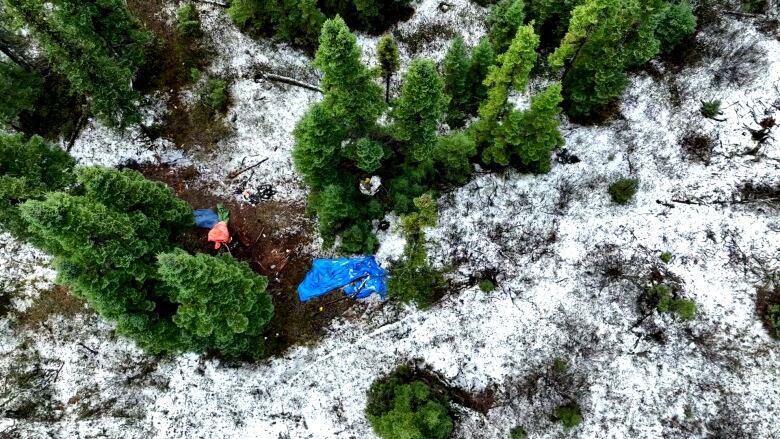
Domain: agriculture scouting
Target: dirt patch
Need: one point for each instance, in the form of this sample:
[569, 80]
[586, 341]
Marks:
[698, 147]
[274, 238]
[56, 301]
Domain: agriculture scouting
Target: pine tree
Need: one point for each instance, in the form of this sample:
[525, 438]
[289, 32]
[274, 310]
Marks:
[389, 63]
[220, 300]
[351, 96]
[456, 69]
[605, 38]
[506, 17]
[419, 110]
[97, 46]
[512, 71]
[452, 157]
[482, 57]
[28, 170]
[529, 137]
[676, 22]
[369, 155]
[105, 244]
[20, 90]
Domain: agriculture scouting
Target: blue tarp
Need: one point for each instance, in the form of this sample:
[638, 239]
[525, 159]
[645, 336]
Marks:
[205, 218]
[359, 277]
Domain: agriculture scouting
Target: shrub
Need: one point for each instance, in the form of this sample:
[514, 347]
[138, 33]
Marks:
[710, 109]
[773, 317]
[569, 415]
[661, 296]
[220, 300]
[676, 23]
[487, 285]
[215, 95]
[28, 170]
[623, 190]
[666, 257]
[401, 407]
[518, 433]
[413, 279]
[187, 20]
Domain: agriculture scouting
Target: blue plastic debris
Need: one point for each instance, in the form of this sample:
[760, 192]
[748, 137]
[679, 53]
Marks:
[205, 218]
[359, 277]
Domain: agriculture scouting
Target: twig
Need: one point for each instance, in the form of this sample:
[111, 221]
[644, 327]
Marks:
[290, 81]
[235, 174]
[743, 14]
[209, 2]
[94, 352]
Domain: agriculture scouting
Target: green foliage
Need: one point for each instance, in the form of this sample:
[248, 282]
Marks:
[419, 110]
[452, 156]
[389, 62]
[97, 46]
[512, 71]
[401, 407]
[28, 170]
[711, 109]
[413, 279]
[487, 286]
[623, 190]
[773, 317]
[506, 17]
[527, 138]
[560, 365]
[300, 21]
[316, 154]
[550, 18]
[604, 39]
[352, 98]
[215, 95]
[676, 23]
[456, 69]
[664, 301]
[569, 416]
[369, 154]
[666, 257]
[187, 20]
[20, 90]
[482, 57]
[220, 300]
[518, 432]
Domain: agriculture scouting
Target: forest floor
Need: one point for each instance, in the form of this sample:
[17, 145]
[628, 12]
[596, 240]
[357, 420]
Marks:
[567, 322]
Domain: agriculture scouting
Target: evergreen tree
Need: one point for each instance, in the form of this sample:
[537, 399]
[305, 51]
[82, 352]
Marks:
[369, 155]
[220, 300]
[316, 154]
[506, 17]
[187, 20]
[419, 109]
[28, 170]
[512, 71]
[456, 69]
[605, 38]
[675, 24]
[387, 53]
[527, 138]
[351, 96]
[96, 45]
[550, 18]
[482, 57]
[452, 157]
[105, 243]
[20, 90]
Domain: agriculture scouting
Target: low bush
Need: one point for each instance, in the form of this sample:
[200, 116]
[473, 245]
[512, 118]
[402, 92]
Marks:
[187, 20]
[666, 257]
[711, 109]
[215, 95]
[569, 415]
[487, 285]
[518, 433]
[773, 317]
[623, 190]
[663, 298]
[401, 407]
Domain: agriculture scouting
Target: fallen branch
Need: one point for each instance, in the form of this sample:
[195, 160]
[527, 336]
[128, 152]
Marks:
[209, 2]
[290, 81]
[235, 174]
[743, 14]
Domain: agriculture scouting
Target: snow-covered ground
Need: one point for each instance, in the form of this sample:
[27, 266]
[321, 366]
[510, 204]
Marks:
[548, 239]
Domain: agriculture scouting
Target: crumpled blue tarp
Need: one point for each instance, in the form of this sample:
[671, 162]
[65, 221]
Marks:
[359, 277]
[205, 218]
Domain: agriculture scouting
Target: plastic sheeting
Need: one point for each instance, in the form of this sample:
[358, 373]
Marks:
[219, 234]
[359, 277]
[205, 218]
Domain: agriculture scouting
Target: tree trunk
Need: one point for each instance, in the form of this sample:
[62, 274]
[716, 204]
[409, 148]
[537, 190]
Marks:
[387, 89]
